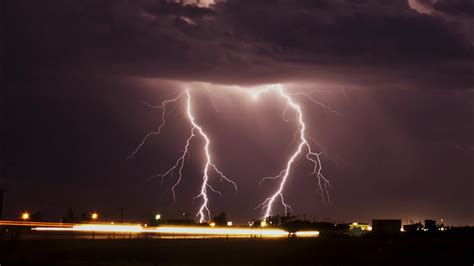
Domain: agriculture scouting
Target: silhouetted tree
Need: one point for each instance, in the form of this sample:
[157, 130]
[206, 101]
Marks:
[255, 222]
[274, 220]
[287, 219]
[220, 219]
[281, 221]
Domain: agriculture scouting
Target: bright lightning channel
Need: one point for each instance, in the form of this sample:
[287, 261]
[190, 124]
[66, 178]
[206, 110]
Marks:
[204, 212]
[303, 147]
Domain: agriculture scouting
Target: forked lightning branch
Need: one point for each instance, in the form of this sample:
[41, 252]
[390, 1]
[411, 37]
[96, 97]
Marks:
[210, 170]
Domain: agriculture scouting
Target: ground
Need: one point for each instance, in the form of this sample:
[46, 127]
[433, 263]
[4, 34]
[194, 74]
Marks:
[398, 250]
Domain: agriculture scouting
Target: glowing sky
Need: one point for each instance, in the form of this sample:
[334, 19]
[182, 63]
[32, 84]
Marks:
[398, 72]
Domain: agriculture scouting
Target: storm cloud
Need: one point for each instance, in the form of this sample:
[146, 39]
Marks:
[238, 41]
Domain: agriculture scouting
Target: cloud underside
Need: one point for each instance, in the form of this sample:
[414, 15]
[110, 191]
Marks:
[422, 44]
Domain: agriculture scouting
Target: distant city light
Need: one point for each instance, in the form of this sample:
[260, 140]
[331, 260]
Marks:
[229, 223]
[360, 227]
[95, 216]
[212, 224]
[25, 216]
[158, 217]
[263, 224]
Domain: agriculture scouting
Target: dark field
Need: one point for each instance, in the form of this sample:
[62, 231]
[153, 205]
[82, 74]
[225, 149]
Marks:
[369, 250]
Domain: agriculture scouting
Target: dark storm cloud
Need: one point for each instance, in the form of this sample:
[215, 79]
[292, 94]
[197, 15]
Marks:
[247, 41]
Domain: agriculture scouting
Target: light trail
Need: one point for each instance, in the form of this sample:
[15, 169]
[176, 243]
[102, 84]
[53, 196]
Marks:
[313, 157]
[223, 231]
[203, 212]
[307, 234]
[192, 231]
[30, 223]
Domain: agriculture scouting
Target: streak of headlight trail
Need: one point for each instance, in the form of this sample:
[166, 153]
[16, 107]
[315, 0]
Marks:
[314, 157]
[204, 212]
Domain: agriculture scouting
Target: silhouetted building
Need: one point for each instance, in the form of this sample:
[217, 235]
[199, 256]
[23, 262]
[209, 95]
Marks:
[411, 228]
[430, 225]
[386, 226]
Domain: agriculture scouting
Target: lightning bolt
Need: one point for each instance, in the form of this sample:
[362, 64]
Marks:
[303, 148]
[204, 212]
[162, 106]
[209, 165]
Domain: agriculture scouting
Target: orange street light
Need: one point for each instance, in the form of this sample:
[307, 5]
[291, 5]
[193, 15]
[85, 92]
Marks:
[25, 216]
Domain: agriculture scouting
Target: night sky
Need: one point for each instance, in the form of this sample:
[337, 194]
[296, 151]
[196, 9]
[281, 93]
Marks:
[399, 73]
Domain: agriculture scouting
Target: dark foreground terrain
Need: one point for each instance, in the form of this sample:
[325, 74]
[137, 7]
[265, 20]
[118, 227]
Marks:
[368, 250]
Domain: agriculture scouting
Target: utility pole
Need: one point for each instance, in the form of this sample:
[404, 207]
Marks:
[4, 80]
[2, 191]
